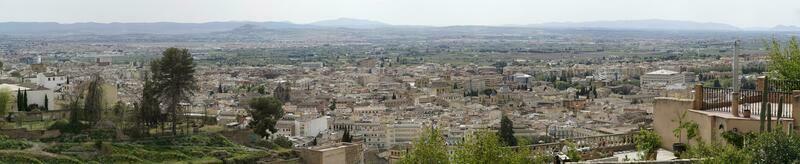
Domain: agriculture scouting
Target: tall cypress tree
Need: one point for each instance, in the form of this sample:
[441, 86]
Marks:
[346, 137]
[46, 103]
[94, 98]
[19, 101]
[507, 131]
[25, 100]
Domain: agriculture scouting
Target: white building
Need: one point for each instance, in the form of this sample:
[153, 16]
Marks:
[662, 78]
[655, 81]
[521, 80]
[402, 132]
[35, 96]
[49, 81]
[315, 126]
[312, 65]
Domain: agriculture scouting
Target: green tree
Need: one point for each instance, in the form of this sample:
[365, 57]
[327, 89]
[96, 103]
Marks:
[261, 90]
[19, 99]
[487, 147]
[118, 113]
[714, 154]
[283, 141]
[507, 131]
[173, 75]
[148, 113]
[691, 128]
[266, 111]
[561, 85]
[572, 151]
[75, 113]
[346, 137]
[429, 148]
[25, 100]
[93, 102]
[46, 103]
[5, 101]
[785, 61]
[647, 142]
[774, 146]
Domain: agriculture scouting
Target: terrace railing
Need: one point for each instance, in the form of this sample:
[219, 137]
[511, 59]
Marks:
[602, 143]
[774, 94]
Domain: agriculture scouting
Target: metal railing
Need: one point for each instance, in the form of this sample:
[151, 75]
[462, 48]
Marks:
[770, 94]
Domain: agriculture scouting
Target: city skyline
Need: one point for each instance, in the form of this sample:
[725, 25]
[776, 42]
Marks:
[740, 13]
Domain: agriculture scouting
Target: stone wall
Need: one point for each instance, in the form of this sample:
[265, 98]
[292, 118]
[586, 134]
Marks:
[665, 115]
[29, 134]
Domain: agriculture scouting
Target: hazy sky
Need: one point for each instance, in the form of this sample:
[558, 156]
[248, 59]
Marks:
[742, 13]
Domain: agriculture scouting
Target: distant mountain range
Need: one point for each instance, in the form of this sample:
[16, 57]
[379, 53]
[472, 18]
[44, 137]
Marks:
[653, 24]
[46, 28]
[350, 23]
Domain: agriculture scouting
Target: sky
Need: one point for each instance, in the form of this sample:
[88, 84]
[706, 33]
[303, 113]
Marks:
[741, 13]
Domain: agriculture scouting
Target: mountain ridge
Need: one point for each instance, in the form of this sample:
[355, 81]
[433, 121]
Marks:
[45, 28]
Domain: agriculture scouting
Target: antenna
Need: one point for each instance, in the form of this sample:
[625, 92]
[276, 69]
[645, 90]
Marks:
[735, 66]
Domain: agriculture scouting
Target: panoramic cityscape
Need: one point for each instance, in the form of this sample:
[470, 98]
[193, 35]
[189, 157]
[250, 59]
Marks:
[390, 82]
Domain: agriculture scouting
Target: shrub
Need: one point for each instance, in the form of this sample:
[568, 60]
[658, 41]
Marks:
[102, 134]
[66, 127]
[57, 148]
[121, 158]
[250, 157]
[58, 125]
[713, 154]
[266, 144]
[774, 147]
[283, 141]
[648, 142]
[6, 143]
[215, 140]
[161, 156]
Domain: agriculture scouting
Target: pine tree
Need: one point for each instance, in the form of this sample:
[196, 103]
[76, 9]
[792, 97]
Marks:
[265, 111]
[173, 75]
